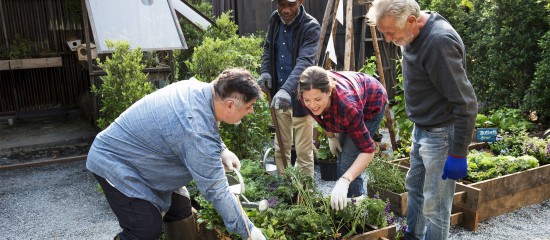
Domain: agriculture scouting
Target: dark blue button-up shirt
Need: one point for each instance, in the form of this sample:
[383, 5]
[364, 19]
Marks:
[283, 53]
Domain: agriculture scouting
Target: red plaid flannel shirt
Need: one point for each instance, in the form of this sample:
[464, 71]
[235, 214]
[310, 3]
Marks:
[358, 97]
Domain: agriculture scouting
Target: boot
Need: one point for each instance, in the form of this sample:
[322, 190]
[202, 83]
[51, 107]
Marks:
[181, 229]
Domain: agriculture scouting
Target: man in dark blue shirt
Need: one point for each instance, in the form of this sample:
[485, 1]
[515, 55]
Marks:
[290, 47]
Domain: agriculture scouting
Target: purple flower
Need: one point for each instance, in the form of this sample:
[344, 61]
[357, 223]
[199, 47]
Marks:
[272, 201]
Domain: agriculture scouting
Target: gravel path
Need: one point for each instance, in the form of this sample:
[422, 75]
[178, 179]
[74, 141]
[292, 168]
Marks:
[61, 202]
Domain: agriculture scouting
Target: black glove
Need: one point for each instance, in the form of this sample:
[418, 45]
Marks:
[264, 79]
[281, 100]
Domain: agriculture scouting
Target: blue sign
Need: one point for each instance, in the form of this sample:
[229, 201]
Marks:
[486, 134]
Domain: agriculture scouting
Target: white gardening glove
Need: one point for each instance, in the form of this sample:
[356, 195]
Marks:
[339, 195]
[230, 160]
[256, 234]
[334, 144]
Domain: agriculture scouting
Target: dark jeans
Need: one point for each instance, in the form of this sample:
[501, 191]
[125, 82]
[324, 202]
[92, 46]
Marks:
[349, 153]
[140, 219]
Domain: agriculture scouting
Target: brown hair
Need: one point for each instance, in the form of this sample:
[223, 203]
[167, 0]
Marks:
[315, 77]
[237, 83]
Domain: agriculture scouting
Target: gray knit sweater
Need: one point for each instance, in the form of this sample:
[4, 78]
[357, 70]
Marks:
[437, 90]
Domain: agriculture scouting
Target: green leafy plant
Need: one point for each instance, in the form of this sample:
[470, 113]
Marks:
[21, 47]
[323, 151]
[124, 84]
[482, 121]
[385, 175]
[223, 48]
[537, 96]
[310, 217]
[247, 139]
[404, 125]
[509, 144]
[509, 119]
[538, 148]
[484, 165]
[193, 38]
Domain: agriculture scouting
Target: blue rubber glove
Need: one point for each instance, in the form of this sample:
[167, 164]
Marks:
[455, 168]
[281, 100]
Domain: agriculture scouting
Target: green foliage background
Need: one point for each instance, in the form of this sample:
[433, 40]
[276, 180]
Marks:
[537, 97]
[124, 84]
[222, 48]
[504, 41]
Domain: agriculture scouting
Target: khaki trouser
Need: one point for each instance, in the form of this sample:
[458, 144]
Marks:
[301, 128]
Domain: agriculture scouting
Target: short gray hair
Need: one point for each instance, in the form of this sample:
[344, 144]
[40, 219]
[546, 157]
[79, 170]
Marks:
[399, 9]
[236, 83]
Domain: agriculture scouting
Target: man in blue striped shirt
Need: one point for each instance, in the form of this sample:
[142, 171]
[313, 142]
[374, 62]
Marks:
[164, 141]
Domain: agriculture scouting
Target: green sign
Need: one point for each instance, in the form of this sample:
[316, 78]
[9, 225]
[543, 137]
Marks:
[486, 134]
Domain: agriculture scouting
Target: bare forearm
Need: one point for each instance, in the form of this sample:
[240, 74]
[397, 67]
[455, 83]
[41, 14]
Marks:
[359, 165]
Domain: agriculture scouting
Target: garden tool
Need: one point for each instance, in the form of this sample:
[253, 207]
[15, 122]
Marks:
[236, 186]
[277, 133]
[269, 161]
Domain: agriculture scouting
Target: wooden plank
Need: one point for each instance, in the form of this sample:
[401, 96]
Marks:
[470, 197]
[456, 218]
[4, 65]
[512, 183]
[468, 218]
[36, 63]
[514, 201]
[387, 232]
[398, 202]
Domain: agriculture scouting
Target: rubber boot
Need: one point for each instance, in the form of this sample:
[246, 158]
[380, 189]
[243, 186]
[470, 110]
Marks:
[181, 229]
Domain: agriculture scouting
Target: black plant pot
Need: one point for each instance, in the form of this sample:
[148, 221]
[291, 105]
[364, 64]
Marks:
[328, 170]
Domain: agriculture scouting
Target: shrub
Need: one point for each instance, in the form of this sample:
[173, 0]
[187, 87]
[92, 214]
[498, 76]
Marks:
[215, 55]
[501, 38]
[537, 98]
[538, 148]
[124, 84]
[223, 48]
[193, 38]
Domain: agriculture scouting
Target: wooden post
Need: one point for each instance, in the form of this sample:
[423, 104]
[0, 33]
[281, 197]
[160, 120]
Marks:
[380, 68]
[328, 64]
[349, 36]
[95, 107]
[330, 5]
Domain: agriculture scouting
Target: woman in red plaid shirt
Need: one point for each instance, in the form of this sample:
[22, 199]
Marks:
[349, 106]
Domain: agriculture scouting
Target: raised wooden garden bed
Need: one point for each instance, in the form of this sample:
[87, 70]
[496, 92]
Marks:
[497, 196]
[389, 232]
[479, 201]
[398, 201]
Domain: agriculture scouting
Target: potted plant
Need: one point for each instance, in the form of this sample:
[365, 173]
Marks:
[325, 159]
[387, 181]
